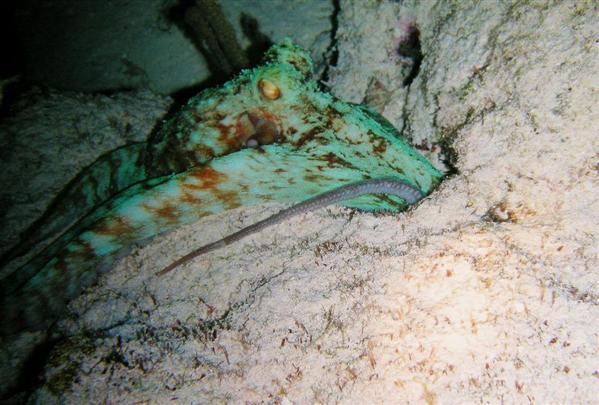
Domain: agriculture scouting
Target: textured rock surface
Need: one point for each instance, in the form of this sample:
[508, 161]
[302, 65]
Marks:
[487, 291]
[51, 136]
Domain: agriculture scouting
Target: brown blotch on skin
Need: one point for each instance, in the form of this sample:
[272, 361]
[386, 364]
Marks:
[228, 198]
[115, 226]
[173, 160]
[167, 211]
[227, 135]
[270, 117]
[307, 136]
[379, 145]
[210, 179]
[333, 160]
[322, 141]
[334, 119]
[191, 186]
[309, 110]
[189, 198]
[187, 160]
[267, 198]
[205, 151]
[84, 252]
[311, 177]
[244, 128]
[389, 201]
[352, 141]
[297, 66]
[399, 170]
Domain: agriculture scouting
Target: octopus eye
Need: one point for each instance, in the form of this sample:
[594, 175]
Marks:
[268, 89]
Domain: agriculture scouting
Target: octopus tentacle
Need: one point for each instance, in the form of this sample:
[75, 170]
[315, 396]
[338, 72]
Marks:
[166, 203]
[110, 174]
[409, 194]
[303, 142]
[209, 125]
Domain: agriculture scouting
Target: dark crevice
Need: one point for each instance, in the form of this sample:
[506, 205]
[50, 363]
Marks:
[448, 156]
[31, 373]
[332, 51]
[410, 48]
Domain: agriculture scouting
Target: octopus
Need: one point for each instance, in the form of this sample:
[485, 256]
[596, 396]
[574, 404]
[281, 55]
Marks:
[268, 135]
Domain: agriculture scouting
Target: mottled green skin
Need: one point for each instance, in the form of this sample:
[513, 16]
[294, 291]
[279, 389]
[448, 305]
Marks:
[198, 165]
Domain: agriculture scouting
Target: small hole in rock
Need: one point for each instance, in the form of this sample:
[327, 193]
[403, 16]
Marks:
[409, 47]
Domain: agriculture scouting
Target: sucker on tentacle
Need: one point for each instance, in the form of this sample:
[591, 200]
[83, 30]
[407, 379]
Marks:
[374, 186]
